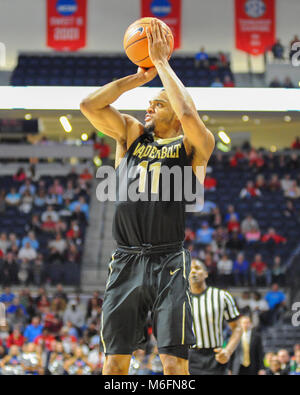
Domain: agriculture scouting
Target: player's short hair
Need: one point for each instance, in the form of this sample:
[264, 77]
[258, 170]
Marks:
[204, 267]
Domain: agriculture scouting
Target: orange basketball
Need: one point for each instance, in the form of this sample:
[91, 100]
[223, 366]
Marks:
[136, 43]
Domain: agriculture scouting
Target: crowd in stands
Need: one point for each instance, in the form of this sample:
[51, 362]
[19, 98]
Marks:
[249, 223]
[42, 227]
[281, 52]
[219, 68]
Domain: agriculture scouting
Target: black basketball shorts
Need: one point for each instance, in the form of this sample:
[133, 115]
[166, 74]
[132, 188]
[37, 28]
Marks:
[146, 281]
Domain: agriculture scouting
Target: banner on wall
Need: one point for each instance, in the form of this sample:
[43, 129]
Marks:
[66, 24]
[168, 11]
[254, 25]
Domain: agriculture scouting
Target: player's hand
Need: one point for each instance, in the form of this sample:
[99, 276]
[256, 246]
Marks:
[147, 75]
[158, 42]
[222, 355]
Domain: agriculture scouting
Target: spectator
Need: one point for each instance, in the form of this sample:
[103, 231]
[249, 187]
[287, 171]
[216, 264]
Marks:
[294, 40]
[49, 225]
[210, 183]
[4, 243]
[231, 210]
[249, 191]
[275, 298]
[293, 162]
[228, 83]
[86, 175]
[13, 241]
[13, 198]
[26, 202]
[290, 210]
[241, 270]
[20, 175]
[272, 237]
[14, 306]
[204, 235]
[287, 83]
[259, 271]
[74, 315]
[286, 182]
[296, 143]
[235, 242]
[7, 296]
[50, 213]
[84, 208]
[233, 224]
[2, 201]
[278, 50]
[295, 364]
[252, 236]
[259, 308]
[69, 192]
[31, 239]
[293, 192]
[103, 150]
[59, 243]
[278, 271]
[60, 226]
[33, 330]
[248, 224]
[189, 235]
[217, 83]
[274, 369]
[201, 58]
[56, 188]
[10, 269]
[34, 225]
[224, 268]
[274, 183]
[284, 359]
[27, 187]
[27, 252]
[60, 293]
[15, 338]
[40, 198]
[260, 182]
[45, 339]
[275, 83]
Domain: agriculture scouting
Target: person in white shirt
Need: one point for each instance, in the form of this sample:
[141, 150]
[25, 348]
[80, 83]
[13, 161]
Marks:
[258, 307]
[224, 267]
[59, 243]
[50, 213]
[27, 252]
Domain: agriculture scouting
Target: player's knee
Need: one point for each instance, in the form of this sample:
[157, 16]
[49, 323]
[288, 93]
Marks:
[173, 365]
[113, 366]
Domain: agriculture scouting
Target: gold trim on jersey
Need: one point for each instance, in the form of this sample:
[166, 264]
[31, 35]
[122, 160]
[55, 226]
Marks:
[183, 324]
[110, 269]
[159, 140]
[184, 273]
[101, 334]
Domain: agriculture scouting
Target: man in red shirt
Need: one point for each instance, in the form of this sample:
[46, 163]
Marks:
[272, 236]
[46, 340]
[259, 271]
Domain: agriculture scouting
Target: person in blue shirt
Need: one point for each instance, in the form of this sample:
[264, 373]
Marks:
[13, 198]
[276, 302]
[31, 240]
[201, 58]
[14, 307]
[33, 330]
[241, 270]
[27, 187]
[204, 235]
[7, 297]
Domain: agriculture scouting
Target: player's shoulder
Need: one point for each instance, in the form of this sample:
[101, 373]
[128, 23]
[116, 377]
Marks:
[134, 128]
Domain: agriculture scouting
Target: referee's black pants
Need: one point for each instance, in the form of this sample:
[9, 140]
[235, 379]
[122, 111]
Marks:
[202, 361]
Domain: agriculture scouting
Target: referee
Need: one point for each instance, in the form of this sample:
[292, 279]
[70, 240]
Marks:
[210, 306]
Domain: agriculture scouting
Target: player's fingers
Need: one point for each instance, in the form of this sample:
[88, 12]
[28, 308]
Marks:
[149, 35]
[155, 29]
[217, 350]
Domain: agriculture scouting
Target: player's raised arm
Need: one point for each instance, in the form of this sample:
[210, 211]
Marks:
[197, 135]
[98, 110]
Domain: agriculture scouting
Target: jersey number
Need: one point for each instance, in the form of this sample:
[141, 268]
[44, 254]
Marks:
[155, 168]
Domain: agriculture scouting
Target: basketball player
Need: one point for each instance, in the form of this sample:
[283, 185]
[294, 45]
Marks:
[149, 270]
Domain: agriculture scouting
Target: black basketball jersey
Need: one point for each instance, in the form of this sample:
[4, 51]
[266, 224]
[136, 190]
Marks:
[149, 206]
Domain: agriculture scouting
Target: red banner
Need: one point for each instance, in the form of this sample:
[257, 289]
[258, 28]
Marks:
[66, 24]
[169, 11]
[254, 25]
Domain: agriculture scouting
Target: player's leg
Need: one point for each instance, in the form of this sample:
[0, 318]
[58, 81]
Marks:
[116, 364]
[174, 364]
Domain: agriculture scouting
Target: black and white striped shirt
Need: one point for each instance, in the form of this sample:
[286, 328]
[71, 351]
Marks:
[210, 308]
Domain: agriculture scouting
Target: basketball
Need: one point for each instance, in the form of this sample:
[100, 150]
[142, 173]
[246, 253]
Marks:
[136, 43]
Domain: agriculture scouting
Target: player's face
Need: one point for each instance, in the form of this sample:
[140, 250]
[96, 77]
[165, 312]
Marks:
[198, 274]
[159, 113]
